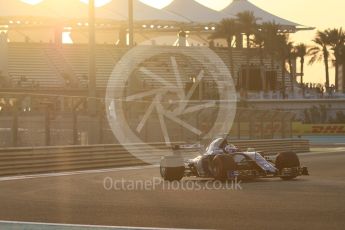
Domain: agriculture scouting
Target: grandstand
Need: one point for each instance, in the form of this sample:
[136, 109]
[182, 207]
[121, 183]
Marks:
[37, 57]
[47, 65]
[44, 50]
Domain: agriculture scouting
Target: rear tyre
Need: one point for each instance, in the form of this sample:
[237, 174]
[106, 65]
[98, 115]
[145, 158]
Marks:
[221, 165]
[287, 160]
[172, 173]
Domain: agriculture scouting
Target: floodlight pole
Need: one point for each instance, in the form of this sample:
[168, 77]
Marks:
[92, 59]
[130, 23]
[92, 101]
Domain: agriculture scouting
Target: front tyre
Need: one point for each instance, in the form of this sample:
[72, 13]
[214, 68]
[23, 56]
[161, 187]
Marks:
[288, 165]
[172, 173]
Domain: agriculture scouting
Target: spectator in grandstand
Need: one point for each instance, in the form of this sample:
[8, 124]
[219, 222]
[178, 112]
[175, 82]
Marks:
[332, 90]
[182, 38]
[211, 44]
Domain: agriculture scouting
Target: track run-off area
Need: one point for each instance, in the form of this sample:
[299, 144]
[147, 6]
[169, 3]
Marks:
[135, 197]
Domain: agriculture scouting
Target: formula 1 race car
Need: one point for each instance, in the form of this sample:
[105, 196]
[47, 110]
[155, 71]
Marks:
[221, 164]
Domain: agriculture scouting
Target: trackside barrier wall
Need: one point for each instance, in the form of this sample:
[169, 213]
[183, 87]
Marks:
[16, 161]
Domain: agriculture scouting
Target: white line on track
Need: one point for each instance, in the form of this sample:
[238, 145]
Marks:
[323, 151]
[18, 225]
[34, 176]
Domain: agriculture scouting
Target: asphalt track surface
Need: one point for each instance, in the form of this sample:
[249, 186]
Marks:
[314, 202]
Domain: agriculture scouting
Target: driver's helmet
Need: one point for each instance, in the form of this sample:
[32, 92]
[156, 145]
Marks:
[223, 143]
[231, 148]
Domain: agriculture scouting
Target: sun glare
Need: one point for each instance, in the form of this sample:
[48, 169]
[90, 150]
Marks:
[66, 38]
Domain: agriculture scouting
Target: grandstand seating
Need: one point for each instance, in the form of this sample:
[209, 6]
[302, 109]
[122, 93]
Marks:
[57, 59]
[28, 66]
[47, 65]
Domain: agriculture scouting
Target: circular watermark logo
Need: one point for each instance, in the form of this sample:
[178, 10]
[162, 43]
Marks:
[159, 96]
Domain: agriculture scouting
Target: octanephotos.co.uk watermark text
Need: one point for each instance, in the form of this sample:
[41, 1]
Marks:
[157, 183]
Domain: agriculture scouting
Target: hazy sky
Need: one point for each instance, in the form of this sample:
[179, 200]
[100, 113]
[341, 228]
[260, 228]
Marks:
[316, 13]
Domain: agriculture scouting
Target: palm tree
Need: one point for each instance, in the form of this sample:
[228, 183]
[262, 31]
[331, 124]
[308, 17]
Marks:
[342, 60]
[301, 52]
[227, 29]
[290, 56]
[259, 41]
[320, 52]
[283, 46]
[336, 41]
[270, 32]
[263, 38]
[248, 26]
[342, 55]
[247, 23]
